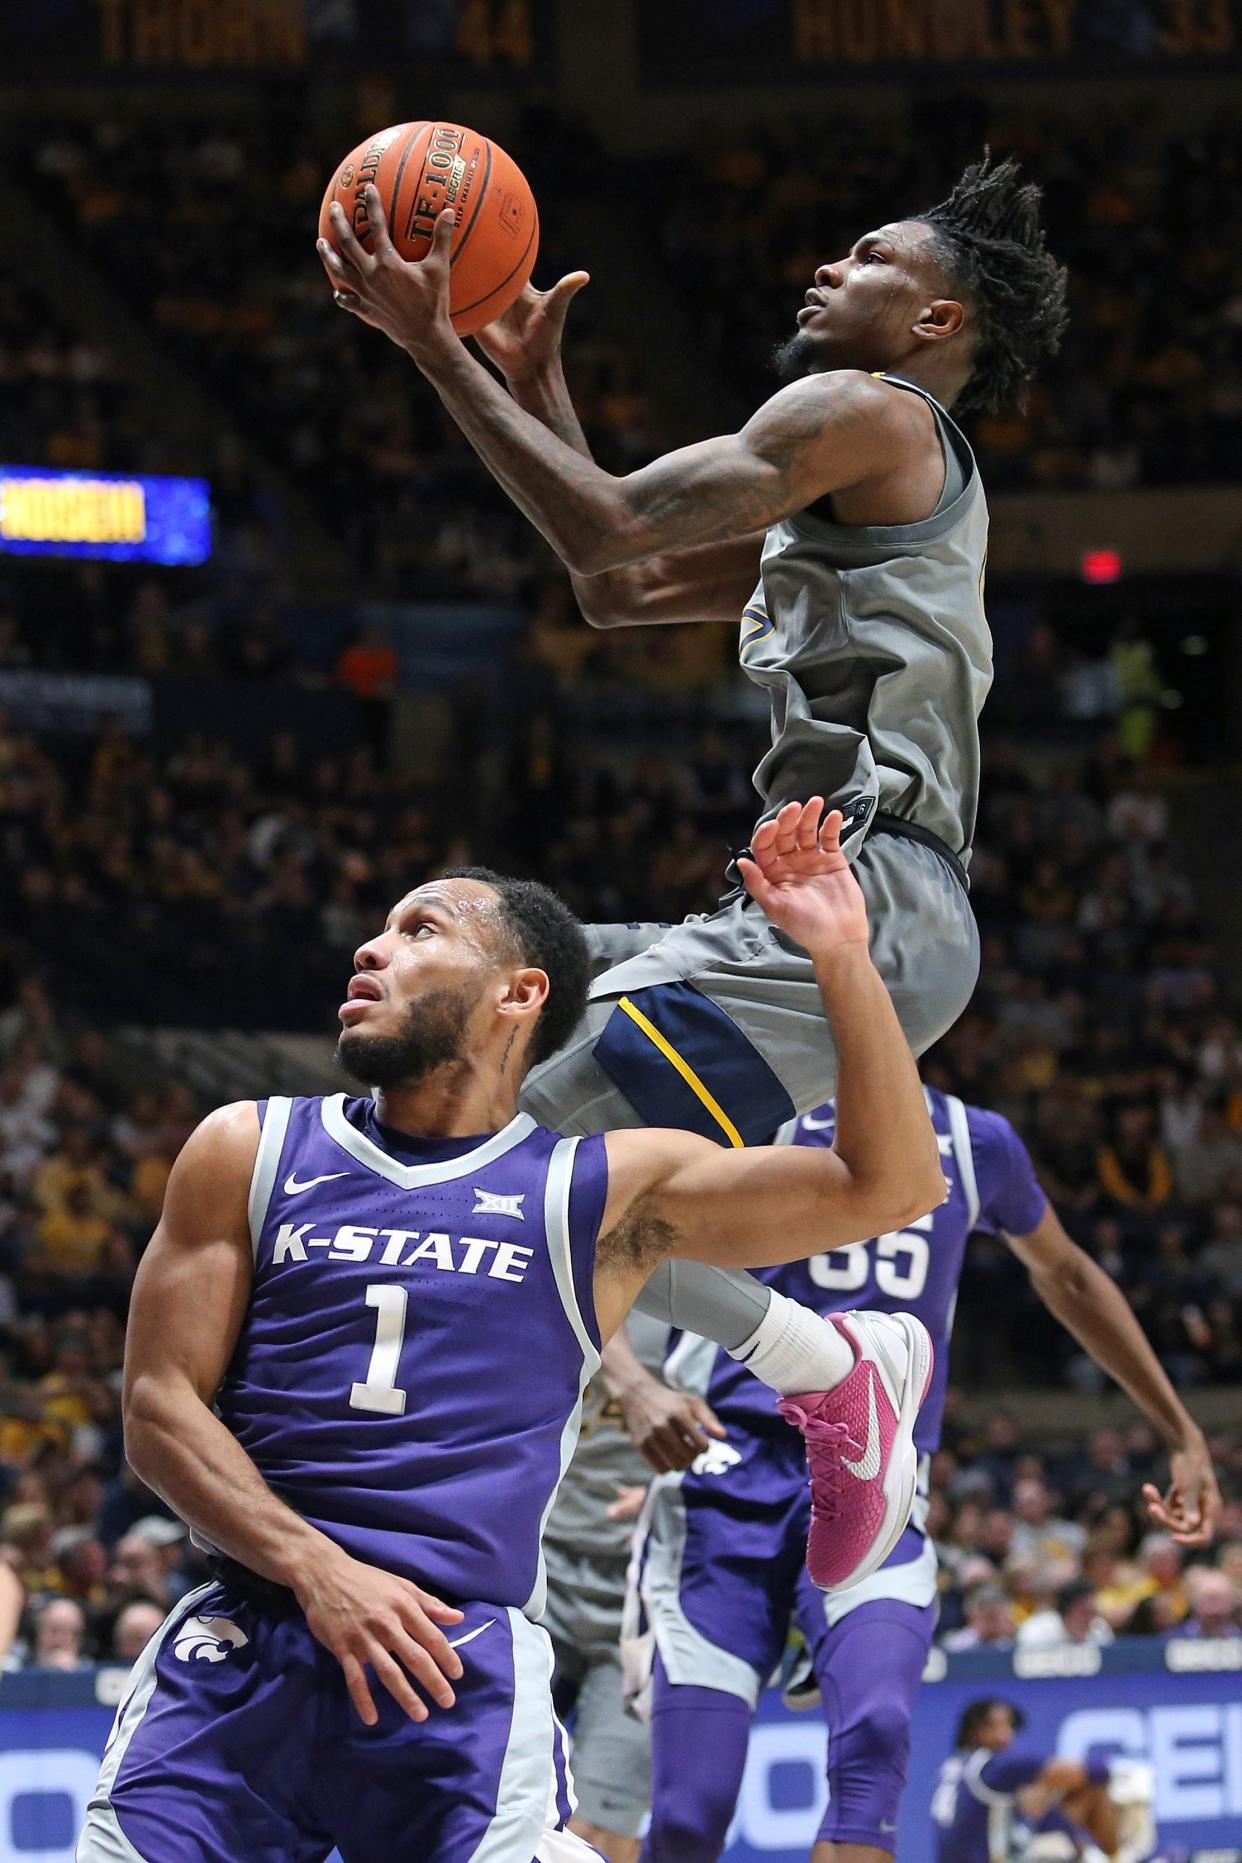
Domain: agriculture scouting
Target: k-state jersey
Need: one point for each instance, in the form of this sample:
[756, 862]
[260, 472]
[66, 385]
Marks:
[974, 1811]
[410, 1371]
[991, 1185]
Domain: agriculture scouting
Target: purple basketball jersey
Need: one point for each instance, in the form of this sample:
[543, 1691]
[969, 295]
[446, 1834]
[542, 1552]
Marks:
[991, 1184]
[974, 1809]
[409, 1375]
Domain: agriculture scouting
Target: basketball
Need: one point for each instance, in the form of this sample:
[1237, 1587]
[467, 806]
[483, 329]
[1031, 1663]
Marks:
[422, 168]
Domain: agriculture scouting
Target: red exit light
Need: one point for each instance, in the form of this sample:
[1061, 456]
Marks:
[1101, 565]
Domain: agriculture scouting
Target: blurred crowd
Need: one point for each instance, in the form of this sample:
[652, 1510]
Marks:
[1147, 391]
[1100, 1027]
[1148, 388]
[89, 1560]
[240, 300]
[1040, 1548]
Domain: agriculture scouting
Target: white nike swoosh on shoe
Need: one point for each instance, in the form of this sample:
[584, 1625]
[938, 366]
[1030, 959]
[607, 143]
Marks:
[294, 1189]
[456, 1643]
[867, 1466]
[817, 1125]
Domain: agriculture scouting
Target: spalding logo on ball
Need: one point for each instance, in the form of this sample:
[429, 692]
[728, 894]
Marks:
[422, 168]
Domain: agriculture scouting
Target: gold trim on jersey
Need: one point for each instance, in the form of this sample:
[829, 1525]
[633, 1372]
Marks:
[696, 1086]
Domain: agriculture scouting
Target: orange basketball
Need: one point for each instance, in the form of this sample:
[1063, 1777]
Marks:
[422, 168]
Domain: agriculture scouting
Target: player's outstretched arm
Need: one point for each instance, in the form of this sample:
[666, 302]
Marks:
[707, 582]
[1091, 1306]
[188, 1304]
[817, 436]
[672, 1193]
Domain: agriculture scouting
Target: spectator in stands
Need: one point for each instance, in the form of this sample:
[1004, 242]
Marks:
[138, 1570]
[58, 1639]
[136, 1623]
[12, 1602]
[26, 1533]
[1221, 1259]
[1214, 1606]
[1118, 1584]
[83, 1565]
[989, 1621]
[1133, 1166]
[1074, 1620]
[1210, 1157]
[1039, 1534]
[171, 1543]
[998, 1456]
[1163, 1561]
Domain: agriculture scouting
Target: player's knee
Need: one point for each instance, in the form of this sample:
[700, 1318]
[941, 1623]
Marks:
[692, 1831]
[880, 1736]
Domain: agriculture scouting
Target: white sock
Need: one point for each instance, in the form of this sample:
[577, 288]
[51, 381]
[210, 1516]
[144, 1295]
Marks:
[793, 1350]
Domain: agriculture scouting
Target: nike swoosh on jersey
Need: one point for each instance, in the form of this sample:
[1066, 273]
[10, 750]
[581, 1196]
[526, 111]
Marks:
[456, 1643]
[294, 1189]
[817, 1125]
[867, 1466]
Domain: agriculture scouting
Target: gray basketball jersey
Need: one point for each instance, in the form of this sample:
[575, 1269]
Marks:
[605, 1460]
[875, 652]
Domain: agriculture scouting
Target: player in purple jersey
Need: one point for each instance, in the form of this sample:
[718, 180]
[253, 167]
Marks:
[357, 1350]
[991, 1798]
[718, 1574]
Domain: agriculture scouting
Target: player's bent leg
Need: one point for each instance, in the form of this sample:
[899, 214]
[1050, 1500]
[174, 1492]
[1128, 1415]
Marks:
[869, 1666]
[717, 1562]
[209, 1760]
[717, 1025]
[698, 1744]
[611, 1759]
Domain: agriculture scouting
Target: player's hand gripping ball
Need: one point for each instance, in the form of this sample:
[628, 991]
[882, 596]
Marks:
[419, 170]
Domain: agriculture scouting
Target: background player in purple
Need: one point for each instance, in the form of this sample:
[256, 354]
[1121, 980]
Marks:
[991, 1797]
[358, 1346]
[719, 1569]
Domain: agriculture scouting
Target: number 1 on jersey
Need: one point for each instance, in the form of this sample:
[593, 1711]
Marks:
[381, 1392]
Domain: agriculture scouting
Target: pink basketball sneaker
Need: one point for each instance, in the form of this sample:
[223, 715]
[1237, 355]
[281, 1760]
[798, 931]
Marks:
[860, 1446]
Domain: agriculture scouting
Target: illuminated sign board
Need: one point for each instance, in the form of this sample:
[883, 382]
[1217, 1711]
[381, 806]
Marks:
[127, 519]
[744, 41]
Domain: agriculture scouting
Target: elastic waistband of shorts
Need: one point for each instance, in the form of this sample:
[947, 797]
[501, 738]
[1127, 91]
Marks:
[264, 1592]
[895, 825]
[911, 831]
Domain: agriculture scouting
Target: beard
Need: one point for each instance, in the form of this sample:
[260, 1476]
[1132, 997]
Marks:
[792, 358]
[432, 1034]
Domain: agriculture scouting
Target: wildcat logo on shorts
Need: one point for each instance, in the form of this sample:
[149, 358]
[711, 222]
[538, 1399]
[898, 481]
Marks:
[494, 1203]
[207, 1639]
[717, 1459]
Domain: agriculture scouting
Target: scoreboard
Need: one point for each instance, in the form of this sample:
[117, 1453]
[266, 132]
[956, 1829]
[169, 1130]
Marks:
[746, 41]
[126, 519]
[440, 41]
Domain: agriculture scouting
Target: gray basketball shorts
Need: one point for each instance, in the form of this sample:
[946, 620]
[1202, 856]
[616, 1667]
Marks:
[611, 1753]
[716, 1025]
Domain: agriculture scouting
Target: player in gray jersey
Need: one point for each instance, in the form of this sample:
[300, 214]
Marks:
[846, 524]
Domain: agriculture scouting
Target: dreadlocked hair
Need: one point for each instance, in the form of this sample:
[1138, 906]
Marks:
[990, 244]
